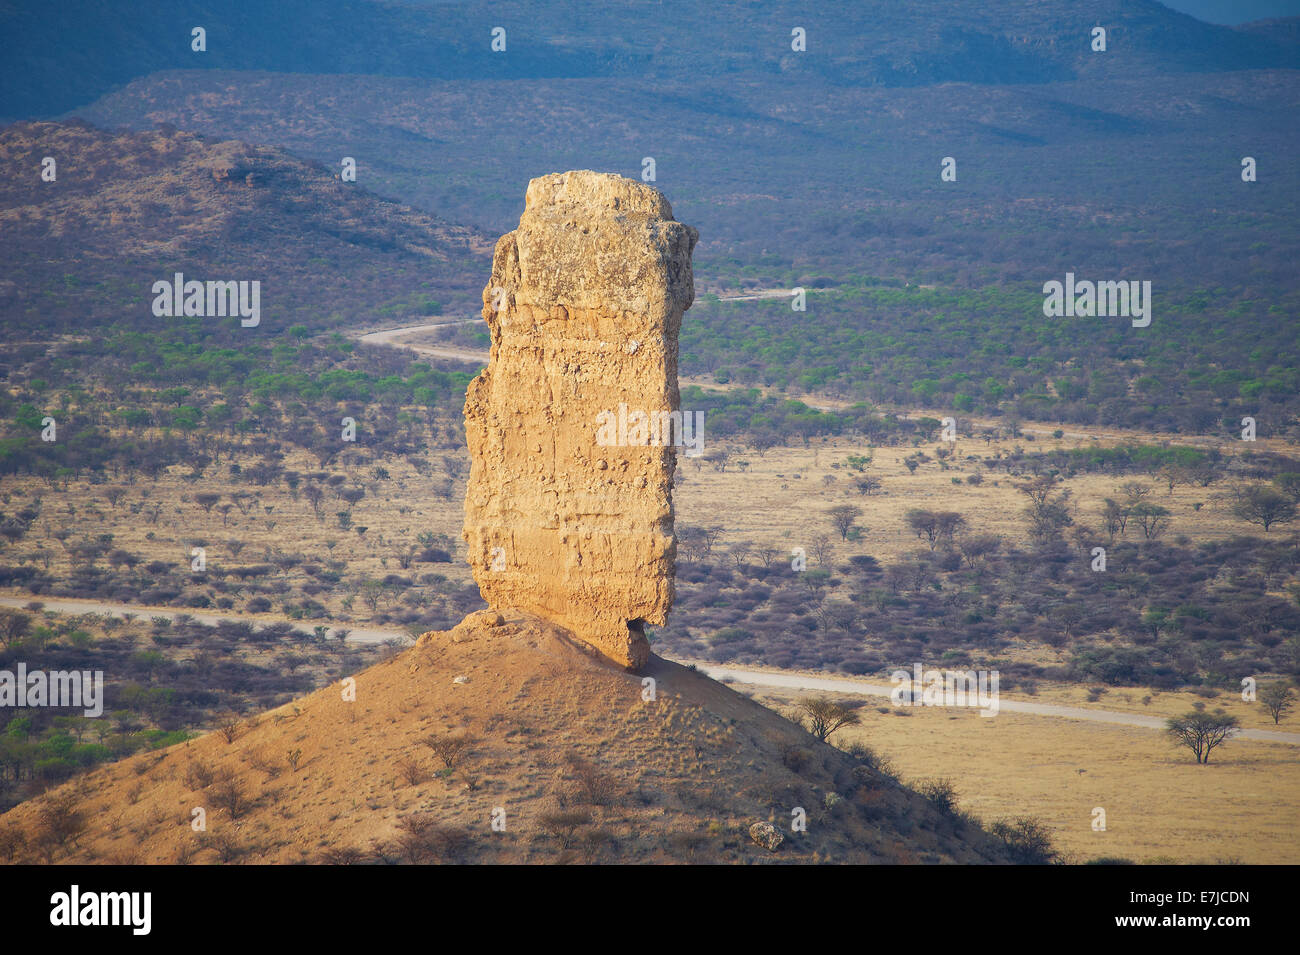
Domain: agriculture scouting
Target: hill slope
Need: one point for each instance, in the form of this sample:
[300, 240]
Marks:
[563, 742]
[130, 208]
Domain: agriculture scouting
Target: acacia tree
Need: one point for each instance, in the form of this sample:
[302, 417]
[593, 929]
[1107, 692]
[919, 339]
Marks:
[739, 553]
[844, 517]
[1201, 731]
[1048, 511]
[1278, 699]
[1152, 518]
[1069, 617]
[1289, 484]
[14, 626]
[948, 523]
[923, 523]
[690, 542]
[937, 527]
[825, 716]
[1264, 506]
[1173, 475]
[975, 549]
[314, 496]
[866, 484]
[1114, 518]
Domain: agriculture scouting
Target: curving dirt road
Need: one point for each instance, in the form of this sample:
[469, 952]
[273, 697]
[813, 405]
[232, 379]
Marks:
[394, 337]
[801, 681]
[785, 679]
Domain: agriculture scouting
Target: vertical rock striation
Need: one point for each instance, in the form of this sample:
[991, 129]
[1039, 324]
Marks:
[568, 511]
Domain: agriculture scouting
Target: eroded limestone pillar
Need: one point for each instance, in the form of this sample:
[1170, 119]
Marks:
[568, 510]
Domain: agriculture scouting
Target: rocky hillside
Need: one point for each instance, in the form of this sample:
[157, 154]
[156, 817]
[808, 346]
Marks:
[499, 715]
[126, 209]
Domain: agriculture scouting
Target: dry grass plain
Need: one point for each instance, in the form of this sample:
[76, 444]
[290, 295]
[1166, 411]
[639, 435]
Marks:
[384, 524]
[781, 498]
[1243, 806]
[1160, 806]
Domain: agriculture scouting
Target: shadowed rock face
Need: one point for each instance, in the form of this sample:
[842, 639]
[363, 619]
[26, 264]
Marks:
[569, 511]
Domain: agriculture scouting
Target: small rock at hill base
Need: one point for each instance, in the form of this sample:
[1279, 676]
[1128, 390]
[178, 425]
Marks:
[766, 835]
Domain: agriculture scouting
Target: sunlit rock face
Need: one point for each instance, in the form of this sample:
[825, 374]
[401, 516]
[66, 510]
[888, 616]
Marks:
[571, 427]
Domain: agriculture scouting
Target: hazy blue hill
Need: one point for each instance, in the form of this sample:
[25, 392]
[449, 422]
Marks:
[58, 57]
[787, 177]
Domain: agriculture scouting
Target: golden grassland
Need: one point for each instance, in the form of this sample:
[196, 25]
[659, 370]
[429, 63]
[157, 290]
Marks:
[1160, 806]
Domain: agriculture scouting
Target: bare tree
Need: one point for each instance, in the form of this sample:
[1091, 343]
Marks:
[710, 536]
[739, 552]
[450, 749]
[823, 550]
[763, 441]
[229, 794]
[1048, 511]
[1134, 492]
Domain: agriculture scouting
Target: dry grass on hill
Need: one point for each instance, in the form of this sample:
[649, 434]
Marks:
[412, 771]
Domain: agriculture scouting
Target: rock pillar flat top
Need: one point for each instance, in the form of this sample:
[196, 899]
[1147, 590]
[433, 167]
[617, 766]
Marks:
[571, 427]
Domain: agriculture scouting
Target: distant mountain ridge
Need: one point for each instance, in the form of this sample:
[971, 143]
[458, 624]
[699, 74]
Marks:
[56, 59]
